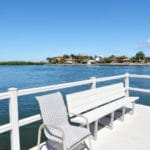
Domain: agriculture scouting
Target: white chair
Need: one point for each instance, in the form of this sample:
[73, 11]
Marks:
[56, 125]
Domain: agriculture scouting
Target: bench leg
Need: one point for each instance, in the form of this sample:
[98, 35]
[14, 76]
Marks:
[95, 130]
[123, 113]
[112, 120]
[133, 107]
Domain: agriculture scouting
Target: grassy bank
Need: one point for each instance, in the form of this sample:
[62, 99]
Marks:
[21, 63]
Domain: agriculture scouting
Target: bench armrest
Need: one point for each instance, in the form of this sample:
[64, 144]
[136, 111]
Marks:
[84, 118]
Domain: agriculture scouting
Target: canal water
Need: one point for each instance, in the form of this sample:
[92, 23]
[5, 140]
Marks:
[22, 77]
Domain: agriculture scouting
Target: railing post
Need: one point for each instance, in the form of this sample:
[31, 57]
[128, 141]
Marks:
[93, 86]
[127, 83]
[127, 90]
[13, 113]
[127, 93]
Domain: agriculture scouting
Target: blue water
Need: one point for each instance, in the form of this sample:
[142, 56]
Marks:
[23, 77]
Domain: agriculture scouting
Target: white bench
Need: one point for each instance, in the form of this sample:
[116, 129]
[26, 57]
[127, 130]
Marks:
[97, 103]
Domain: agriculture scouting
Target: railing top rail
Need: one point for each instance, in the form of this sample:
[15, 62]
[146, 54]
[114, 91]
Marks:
[110, 78]
[65, 85]
[5, 128]
[4, 95]
[139, 90]
[59, 86]
[52, 87]
[139, 76]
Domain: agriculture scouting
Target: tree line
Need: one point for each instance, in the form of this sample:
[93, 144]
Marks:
[139, 57]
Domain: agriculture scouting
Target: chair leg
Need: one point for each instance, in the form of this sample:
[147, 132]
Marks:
[39, 137]
[64, 146]
[90, 145]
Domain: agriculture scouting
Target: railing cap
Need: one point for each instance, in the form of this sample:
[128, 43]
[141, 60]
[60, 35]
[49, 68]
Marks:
[93, 77]
[12, 89]
[127, 74]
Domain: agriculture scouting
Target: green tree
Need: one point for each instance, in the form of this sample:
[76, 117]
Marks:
[73, 56]
[133, 59]
[147, 59]
[140, 56]
[49, 59]
[65, 56]
[109, 59]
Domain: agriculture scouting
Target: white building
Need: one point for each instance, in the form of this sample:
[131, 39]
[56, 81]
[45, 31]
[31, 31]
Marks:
[99, 58]
[90, 61]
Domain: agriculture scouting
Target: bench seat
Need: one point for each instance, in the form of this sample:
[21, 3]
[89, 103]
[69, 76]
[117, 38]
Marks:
[104, 110]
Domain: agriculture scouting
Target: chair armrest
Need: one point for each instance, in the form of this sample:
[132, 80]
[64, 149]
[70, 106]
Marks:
[42, 126]
[83, 117]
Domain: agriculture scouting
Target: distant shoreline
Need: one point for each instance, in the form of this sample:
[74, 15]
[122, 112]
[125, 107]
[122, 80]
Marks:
[44, 63]
[21, 63]
[103, 64]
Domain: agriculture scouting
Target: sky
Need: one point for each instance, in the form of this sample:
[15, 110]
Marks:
[32, 30]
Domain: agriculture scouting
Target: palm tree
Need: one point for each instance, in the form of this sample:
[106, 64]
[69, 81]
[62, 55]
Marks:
[48, 59]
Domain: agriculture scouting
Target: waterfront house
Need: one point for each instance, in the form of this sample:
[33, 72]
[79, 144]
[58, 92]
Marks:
[120, 59]
[69, 60]
[58, 58]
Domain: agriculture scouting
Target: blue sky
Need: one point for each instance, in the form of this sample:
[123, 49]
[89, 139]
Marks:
[36, 29]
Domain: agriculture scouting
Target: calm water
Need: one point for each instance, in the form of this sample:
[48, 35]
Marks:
[34, 76]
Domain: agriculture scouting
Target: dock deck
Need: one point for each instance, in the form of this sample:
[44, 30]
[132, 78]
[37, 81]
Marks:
[131, 134]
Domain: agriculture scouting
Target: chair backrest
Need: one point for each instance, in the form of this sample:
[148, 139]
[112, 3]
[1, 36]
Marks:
[53, 109]
[80, 102]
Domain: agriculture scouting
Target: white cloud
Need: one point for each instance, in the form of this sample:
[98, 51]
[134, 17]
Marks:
[148, 40]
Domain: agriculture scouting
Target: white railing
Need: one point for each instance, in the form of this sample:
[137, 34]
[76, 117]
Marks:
[13, 94]
[139, 89]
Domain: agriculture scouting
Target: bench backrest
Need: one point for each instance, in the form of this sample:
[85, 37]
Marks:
[80, 102]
